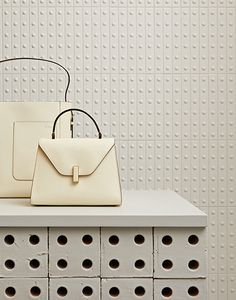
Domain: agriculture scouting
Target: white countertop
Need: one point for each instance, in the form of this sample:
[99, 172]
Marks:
[139, 208]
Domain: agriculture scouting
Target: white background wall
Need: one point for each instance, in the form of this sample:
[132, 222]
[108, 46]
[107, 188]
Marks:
[159, 76]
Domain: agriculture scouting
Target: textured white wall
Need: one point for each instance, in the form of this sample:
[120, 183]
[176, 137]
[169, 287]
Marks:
[159, 76]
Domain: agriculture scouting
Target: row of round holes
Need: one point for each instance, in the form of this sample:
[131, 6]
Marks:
[138, 291]
[33, 239]
[88, 291]
[192, 291]
[113, 240]
[138, 239]
[62, 291]
[114, 264]
[168, 264]
[10, 264]
[11, 291]
[86, 264]
[86, 239]
[166, 240]
[192, 240]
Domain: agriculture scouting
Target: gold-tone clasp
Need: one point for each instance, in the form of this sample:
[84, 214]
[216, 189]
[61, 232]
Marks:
[75, 174]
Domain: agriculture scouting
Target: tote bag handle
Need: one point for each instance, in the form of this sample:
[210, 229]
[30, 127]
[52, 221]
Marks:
[45, 60]
[79, 110]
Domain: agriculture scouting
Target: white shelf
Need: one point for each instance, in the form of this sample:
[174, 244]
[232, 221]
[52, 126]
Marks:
[139, 209]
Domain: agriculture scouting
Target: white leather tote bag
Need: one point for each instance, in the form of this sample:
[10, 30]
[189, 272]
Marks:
[21, 126]
[80, 171]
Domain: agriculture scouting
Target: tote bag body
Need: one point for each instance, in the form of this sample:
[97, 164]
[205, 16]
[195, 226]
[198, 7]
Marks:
[22, 124]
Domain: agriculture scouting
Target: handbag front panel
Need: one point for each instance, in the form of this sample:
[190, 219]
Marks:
[102, 187]
[21, 125]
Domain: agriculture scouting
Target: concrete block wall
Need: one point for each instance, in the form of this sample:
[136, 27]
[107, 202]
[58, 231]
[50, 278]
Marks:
[180, 253]
[103, 263]
[24, 288]
[126, 253]
[179, 289]
[23, 252]
[74, 252]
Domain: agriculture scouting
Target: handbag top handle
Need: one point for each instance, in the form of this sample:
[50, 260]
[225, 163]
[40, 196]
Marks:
[45, 60]
[79, 110]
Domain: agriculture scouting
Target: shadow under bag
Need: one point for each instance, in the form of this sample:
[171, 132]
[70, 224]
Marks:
[80, 171]
[21, 126]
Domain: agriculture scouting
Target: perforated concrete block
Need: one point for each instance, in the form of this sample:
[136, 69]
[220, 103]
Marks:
[179, 289]
[24, 288]
[179, 253]
[127, 288]
[74, 252]
[74, 288]
[23, 252]
[126, 252]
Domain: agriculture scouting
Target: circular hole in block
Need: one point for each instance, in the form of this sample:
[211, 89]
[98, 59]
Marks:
[87, 263]
[139, 291]
[87, 239]
[139, 264]
[193, 264]
[167, 264]
[9, 264]
[167, 292]
[62, 263]
[10, 291]
[167, 240]
[113, 239]
[62, 291]
[87, 291]
[193, 239]
[114, 291]
[35, 291]
[139, 239]
[62, 240]
[193, 291]
[34, 239]
[9, 239]
[114, 263]
[34, 263]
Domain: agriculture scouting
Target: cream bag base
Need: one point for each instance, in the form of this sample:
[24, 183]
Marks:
[21, 126]
[76, 172]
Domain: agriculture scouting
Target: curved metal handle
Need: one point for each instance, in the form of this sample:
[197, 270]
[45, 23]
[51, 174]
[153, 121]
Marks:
[71, 110]
[46, 60]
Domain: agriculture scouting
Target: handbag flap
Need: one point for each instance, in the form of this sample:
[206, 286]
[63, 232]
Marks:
[85, 153]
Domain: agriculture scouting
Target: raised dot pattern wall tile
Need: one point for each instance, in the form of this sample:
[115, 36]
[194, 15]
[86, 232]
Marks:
[159, 76]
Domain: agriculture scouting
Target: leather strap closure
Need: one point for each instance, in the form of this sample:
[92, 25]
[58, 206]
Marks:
[75, 173]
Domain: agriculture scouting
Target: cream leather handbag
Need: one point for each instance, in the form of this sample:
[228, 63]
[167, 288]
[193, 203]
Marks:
[81, 171]
[21, 126]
